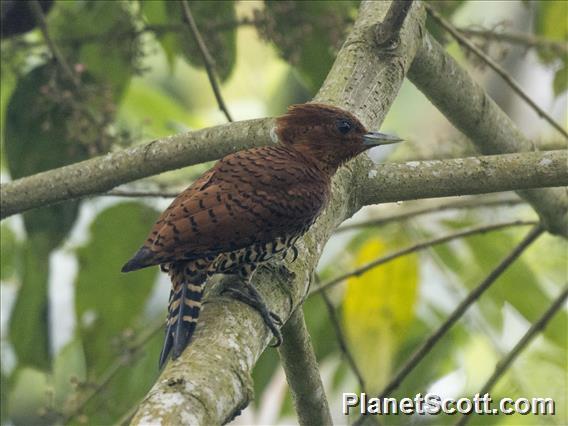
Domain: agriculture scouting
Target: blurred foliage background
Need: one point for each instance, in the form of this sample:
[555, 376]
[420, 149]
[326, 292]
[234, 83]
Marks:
[80, 341]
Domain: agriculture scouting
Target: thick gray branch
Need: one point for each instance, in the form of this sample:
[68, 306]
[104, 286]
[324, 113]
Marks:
[211, 380]
[459, 176]
[101, 174]
[452, 90]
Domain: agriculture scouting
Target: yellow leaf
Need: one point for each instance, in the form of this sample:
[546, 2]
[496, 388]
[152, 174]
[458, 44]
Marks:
[378, 309]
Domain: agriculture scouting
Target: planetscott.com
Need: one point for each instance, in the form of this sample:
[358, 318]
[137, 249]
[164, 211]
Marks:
[431, 404]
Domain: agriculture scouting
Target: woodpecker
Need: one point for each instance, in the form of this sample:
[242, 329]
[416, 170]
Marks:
[250, 207]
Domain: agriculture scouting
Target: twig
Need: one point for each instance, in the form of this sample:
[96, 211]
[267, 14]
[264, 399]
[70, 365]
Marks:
[138, 194]
[504, 364]
[471, 298]
[420, 246]
[452, 205]
[343, 347]
[495, 66]
[113, 369]
[387, 32]
[527, 40]
[207, 59]
[302, 373]
[157, 29]
[40, 19]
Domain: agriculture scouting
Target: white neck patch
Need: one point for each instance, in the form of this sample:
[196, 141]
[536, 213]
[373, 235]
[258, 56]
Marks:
[274, 135]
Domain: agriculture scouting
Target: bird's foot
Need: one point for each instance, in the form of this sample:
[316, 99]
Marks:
[252, 298]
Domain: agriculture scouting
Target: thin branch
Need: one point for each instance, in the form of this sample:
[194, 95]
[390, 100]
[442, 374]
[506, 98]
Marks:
[495, 66]
[118, 365]
[157, 29]
[471, 298]
[505, 363]
[524, 39]
[420, 246]
[207, 59]
[103, 173]
[452, 205]
[465, 176]
[302, 372]
[139, 194]
[343, 346]
[40, 19]
[387, 32]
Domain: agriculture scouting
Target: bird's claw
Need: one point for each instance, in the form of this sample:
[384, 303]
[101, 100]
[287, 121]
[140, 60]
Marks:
[252, 298]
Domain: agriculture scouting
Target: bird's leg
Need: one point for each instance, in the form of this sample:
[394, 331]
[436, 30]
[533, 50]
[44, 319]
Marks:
[252, 297]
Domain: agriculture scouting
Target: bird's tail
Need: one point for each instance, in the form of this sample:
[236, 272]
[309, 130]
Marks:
[183, 309]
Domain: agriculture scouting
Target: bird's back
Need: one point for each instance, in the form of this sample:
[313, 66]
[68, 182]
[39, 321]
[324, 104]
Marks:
[248, 198]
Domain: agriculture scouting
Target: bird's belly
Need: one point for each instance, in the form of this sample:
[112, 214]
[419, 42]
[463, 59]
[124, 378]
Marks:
[232, 261]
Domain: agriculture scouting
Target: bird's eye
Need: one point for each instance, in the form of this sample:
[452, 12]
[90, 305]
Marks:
[344, 126]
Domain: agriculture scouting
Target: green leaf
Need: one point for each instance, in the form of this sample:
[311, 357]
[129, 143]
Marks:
[156, 14]
[107, 301]
[111, 58]
[263, 372]
[3, 398]
[9, 248]
[162, 114]
[127, 388]
[378, 308]
[560, 83]
[518, 285]
[29, 398]
[7, 85]
[37, 139]
[320, 327]
[550, 19]
[221, 44]
[29, 326]
[69, 370]
[550, 22]
[307, 34]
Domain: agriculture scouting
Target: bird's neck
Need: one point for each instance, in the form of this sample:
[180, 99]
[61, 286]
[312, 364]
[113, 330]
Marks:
[328, 166]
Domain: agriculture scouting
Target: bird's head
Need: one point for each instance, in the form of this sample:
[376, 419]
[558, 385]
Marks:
[327, 134]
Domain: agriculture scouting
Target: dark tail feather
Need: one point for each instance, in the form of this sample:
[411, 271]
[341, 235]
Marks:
[143, 258]
[183, 312]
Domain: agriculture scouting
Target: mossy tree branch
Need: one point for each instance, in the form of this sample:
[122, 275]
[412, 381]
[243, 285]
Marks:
[101, 174]
[211, 381]
[302, 373]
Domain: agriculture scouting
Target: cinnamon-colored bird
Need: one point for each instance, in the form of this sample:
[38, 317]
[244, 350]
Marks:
[250, 207]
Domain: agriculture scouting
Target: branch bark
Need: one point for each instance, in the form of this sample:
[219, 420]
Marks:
[466, 105]
[103, 173]
[302, 373]
[230, 336]
[460, 176]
